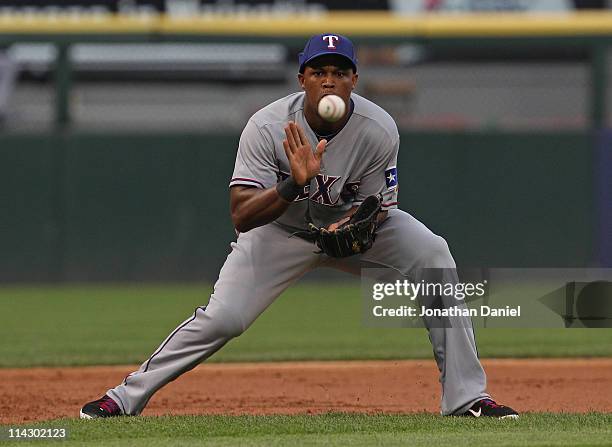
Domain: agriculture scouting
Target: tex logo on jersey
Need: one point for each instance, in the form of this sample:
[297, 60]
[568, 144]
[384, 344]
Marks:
[323, 192]
[324, 186]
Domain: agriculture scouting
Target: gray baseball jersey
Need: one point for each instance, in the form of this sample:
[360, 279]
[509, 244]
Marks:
[359, 161]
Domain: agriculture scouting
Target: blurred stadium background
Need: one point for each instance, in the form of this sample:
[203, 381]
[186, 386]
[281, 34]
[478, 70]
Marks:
[120, 119]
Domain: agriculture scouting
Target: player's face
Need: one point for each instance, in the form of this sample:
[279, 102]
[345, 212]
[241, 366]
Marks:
[328, 75]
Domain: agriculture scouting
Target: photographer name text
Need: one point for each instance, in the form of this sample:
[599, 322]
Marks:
[455, 311]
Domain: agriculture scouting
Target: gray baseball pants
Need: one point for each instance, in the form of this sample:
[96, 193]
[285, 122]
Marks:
[262, 264]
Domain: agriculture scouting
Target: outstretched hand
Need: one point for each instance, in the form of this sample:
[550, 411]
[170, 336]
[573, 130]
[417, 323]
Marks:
[304, 163]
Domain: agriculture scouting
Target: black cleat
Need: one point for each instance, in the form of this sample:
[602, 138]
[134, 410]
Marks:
[489, 408]
[105, 407]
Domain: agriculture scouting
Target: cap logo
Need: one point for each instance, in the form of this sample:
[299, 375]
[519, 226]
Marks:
[330, 41]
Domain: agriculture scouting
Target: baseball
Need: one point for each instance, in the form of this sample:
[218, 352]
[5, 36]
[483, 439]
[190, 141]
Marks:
[331, 108]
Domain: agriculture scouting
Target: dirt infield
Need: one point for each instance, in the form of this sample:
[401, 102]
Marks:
[578, 385]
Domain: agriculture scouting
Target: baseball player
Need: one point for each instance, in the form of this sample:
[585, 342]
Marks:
[293, 168]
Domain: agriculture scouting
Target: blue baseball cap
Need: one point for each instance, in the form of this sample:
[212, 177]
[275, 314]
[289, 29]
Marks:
[327, 43]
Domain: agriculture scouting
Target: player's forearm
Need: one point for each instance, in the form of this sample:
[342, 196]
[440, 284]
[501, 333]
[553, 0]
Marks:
[252, 207]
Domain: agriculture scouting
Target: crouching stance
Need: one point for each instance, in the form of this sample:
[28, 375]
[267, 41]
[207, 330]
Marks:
[297, 174]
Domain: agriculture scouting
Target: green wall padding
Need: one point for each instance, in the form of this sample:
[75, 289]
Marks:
[156, 207]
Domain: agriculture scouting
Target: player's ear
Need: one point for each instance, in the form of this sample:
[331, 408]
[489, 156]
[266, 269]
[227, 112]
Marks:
[355, 79]
[301, 80]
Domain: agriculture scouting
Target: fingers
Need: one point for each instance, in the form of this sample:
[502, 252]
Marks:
[320, 149]
[296, 134]
[287, 149]
[296, 138]
[290, 137]
[301, 134]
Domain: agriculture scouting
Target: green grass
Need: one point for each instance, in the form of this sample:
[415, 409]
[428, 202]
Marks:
[119, 324]
[336, 429]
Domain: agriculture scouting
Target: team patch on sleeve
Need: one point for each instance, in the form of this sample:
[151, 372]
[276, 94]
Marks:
[391, 177]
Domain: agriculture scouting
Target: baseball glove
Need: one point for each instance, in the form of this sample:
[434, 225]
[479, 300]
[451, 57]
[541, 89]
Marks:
[354, 237]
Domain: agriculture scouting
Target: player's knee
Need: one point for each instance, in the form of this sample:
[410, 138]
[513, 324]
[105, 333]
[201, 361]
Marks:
[226, 323]
[232, 326]
[436, 254]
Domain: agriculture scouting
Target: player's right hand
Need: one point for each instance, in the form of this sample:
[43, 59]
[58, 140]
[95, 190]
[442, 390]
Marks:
[304, 163]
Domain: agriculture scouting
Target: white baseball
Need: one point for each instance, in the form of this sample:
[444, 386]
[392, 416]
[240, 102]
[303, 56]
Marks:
[331, 108]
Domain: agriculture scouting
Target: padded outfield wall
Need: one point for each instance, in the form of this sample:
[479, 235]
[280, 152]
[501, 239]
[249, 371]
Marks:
[155, 207]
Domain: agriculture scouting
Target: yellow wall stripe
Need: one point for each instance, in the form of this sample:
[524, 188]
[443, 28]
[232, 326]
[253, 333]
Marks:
[371, 24]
